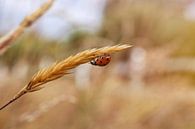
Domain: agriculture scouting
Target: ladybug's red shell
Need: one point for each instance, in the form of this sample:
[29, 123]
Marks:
[101, 60]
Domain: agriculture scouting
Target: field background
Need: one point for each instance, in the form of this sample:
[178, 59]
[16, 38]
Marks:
[150, 86]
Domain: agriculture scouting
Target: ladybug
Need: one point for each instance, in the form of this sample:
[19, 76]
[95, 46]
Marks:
[102, 60]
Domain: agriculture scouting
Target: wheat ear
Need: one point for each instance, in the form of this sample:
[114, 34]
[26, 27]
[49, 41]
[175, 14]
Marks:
[6, 40]
[61, 68]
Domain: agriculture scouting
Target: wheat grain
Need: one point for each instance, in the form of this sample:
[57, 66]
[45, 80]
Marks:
[61, 68]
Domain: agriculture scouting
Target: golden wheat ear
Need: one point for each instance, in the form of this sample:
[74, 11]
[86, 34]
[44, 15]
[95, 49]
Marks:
[62, 68]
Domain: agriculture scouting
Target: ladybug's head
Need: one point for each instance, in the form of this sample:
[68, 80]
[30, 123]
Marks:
[93, 62]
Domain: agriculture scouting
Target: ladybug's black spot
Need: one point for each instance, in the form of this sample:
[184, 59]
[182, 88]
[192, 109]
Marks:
[107, 59]
[101, 62]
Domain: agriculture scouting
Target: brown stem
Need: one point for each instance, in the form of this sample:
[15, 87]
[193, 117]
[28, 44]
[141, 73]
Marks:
[20, 94]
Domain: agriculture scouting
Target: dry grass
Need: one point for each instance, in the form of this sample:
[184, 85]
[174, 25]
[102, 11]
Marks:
[6, 41]
[62, 68]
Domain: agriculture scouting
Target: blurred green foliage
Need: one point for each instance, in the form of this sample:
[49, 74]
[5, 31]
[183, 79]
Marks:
[141, 23]
[32, 48]
[153, 23]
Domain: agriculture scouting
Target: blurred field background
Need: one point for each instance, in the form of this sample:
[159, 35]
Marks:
[150, 86]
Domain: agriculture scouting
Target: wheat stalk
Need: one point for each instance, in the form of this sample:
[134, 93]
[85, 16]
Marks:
[6, 40]
[61, 68]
